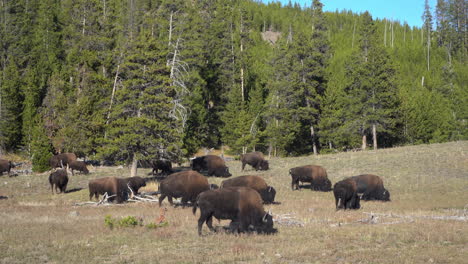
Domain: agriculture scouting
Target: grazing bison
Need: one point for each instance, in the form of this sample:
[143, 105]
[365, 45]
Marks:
[316, 175]
[214, 165]
[79, 166]
[346, 195]
[58, 180]
[164, 165]
[185, 184]
[5, 166]
[111, 186]
[255, 182]
[135, 183]
[242, 205]
[254, 159]
[62, 159]
[371, 187]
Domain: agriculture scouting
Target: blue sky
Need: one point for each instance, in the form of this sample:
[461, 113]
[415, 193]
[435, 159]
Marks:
[402, 10]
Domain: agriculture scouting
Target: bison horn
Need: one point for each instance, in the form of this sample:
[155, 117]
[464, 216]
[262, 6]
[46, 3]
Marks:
[264, 219]
[269, 189]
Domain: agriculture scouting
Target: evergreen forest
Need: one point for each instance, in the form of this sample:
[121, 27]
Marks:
[126, 80]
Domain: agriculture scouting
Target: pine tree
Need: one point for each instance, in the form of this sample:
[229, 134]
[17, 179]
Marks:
[143, 122]
[371, 102]
[41, 149]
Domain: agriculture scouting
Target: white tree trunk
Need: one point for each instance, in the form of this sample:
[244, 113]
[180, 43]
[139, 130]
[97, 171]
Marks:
[364, 142]
[133, 170]
[374, 135]
[312, 135]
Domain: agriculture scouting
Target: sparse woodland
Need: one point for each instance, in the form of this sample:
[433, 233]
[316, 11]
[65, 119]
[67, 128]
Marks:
[123, 80]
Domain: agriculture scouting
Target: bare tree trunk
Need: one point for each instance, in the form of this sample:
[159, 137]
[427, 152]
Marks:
[314, 145]
[104, 8]
[385, 33]
[133, 170]
[364, 142]
[242, 50]
[170, 28]
[112, 97]
[374, 135]
[422, 81]
[393, 36]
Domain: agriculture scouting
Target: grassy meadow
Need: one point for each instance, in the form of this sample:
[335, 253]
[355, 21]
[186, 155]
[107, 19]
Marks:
[428, 186]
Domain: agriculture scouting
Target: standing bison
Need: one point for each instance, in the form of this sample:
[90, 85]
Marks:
[242, 205]
[58, 180]
[185, 184]
[5, 166]
[115, 186]
[254, 159]
[79, 166]
[371, 187]
[316, 175]
[165, 166]
[346, 195]
[214, 166]
[61, 160]
[255, 182]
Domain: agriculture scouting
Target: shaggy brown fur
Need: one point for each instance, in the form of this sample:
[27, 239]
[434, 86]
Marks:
[185, 184]
[346, 196]
[58, 180]
[61, 159]
[371, 187]
[5, 166]
[242, 205]
[316, 175]
[255, 182]
[79, 166]
[254, 159]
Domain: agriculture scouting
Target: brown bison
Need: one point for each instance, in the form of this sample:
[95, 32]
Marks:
[255, 182]
[242, 205]
[58, 180]
[79, 166]
[346, 195]
[164, 165]
[61, 160]
[214, 166]
[316, 175]
[5, 166]
[254, 159]
[371, 187]
[115, 186]
[185, 184]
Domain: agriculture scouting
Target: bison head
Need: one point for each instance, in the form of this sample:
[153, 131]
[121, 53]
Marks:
[268, 195]
[223, 172]
[266, 225]
[327, 186]
[213, 186]
[264, 165]
[386, 195]
[197, 163]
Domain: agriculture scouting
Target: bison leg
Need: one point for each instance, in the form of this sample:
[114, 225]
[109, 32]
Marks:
[201, 220]
[161, 198]
[169, 198]
[209, 223]
[52, 188]
[243, 166]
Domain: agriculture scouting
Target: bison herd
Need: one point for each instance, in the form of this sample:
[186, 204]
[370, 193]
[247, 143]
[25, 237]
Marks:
[238, 199]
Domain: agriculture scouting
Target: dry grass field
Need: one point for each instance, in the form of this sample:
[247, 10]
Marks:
[424, 223]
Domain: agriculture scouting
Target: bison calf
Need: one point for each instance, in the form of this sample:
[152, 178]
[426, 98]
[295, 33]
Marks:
[255, 182]
[346, 196]
[58, 180]
[165, 166]
[254, 159]
[316, 175]
[79, 166]
[5, 166]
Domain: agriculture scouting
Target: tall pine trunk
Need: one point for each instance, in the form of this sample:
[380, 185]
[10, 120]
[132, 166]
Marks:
[364, 142]
[133, 170]
[374, 135]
